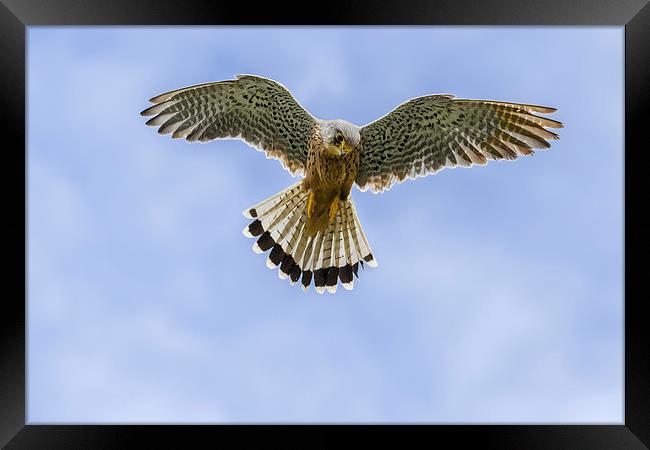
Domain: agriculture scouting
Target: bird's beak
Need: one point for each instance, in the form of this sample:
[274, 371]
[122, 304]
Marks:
[345, 148]
[340, 149]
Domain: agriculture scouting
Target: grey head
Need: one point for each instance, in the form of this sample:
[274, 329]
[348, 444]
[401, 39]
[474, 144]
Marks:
[340, 133]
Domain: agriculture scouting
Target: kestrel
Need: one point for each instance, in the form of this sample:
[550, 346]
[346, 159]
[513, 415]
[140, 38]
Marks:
[311, 228]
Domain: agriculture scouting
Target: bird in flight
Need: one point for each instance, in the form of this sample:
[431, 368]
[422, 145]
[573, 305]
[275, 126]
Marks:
[311, 228]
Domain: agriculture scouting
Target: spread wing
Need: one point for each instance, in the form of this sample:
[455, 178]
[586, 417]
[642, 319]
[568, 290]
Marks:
[427, 134]
[257, 110]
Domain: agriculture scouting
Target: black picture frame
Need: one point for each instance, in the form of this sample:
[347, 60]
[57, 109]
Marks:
[16, 15]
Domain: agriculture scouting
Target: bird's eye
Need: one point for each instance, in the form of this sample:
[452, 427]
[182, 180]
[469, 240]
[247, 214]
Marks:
[339, 138]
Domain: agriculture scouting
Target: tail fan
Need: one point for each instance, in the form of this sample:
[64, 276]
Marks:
[324, 258]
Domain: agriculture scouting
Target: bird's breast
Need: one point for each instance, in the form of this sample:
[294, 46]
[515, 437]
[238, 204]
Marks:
[333, 170]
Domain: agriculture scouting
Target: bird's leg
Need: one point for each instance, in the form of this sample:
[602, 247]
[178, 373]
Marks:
[334, 207]
[311, 205]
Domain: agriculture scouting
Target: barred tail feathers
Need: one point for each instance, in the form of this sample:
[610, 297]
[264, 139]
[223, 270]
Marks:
[324, 258]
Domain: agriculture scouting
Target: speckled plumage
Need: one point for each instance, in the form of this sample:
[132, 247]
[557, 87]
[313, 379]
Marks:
[328, 177]
[257, 110]
[426, 134]
[311, 228]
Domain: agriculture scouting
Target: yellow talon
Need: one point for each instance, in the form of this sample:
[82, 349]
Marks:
[334, 207]
[310, 205]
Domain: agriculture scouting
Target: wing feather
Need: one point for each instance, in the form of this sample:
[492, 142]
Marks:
[426, 134]
[256, 110]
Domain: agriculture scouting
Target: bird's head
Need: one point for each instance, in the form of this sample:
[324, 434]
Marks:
[340, 137]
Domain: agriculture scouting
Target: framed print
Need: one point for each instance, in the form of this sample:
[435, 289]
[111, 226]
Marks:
[495, 305]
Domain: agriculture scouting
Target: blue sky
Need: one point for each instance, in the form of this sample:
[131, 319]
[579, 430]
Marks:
[498, 296]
